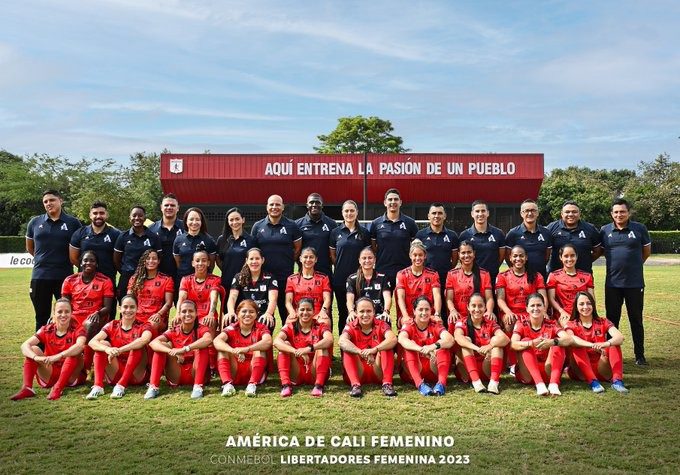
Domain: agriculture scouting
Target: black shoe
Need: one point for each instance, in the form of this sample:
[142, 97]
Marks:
[641, 361]
[356, 391]
[388, 390]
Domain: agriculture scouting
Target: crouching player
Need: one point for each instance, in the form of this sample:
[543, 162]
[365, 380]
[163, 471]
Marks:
[60, 362]
[187, 346]
[367, 345]
[304, 351]
[481, 341]
[242, 351]
[120, 351]
[426, 345]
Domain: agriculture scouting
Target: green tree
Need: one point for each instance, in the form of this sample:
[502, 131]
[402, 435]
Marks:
[361, 134]
[143, 182]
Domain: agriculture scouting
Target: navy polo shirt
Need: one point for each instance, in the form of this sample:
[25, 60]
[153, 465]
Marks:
[623, 251]
[486, 247]
[233, 255]
[50, 243]
[86, 239]
[439, 248]
[167, 238]
[185, 245]
[276, 242]
[536, 244]
[585, 237]
[133, 246]
[317, 234]
[348, 246]
[394, 240]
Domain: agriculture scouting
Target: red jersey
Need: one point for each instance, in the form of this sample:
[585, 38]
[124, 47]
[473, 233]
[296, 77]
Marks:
[463, 287]
[118, 336]
[151, 296]
[179, 339]
[371, 339]
[236, 339]
[313, 288]
[414, 286]
[567, 286]
[429, 335]
[199, 292]
[53, 343]
[549, 330]
[518, 288]
[300, 339]
[597, 333]
[86, 298]
[483, 335]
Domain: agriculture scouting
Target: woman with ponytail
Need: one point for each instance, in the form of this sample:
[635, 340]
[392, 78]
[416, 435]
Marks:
[563, 284]
[232, 246]
[416, 281]
[367, 282]
[465, 280]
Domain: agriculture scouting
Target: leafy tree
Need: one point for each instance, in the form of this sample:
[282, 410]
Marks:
[143, 180]
[361, 134]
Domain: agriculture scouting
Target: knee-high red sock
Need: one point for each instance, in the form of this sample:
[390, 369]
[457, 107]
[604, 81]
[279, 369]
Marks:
[270, 361]
[101, 361]
[212, 352]
[351, 365]
[529, 359]
[323, 366]
[510, 355]
[471, 367]
[284, 367]
[496, 368]
[258, 365]
[616, 362]
[67, 370]
[201, 366]
[583, 362]
[88, 357]
[557, 356]
[224, 368]
[157, 368]
[443, 365]
[133, 360]
[387, 366]
[30, 369]
[411, 360]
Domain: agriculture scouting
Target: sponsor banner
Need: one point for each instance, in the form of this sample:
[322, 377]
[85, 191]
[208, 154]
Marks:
[16, 260]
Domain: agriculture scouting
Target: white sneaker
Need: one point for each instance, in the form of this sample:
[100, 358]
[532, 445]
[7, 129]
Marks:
[197, 392]
[492, 387]
[478, 386]
[228, 390]
[251, 390]
[152, 392]
[95, 392]
[541, 390]
[118, 392]
[512, 370]
[554, 389]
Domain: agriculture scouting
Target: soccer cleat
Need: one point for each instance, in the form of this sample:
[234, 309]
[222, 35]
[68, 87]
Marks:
[641, 361]
[554, 389]
[619, 387]
[439, 389]
[251, 390]
[228, 390]
[286, 390]
[356, 391]
[541, 390]
[118, 392]
[24, 393]
[512, 370]
[425, 390]
[388, 390]
[492, 387]
[596, 387]
[197, 392]
[95, 392]
[478, 386]
[317, 391]
[152, 392]
[55, 393]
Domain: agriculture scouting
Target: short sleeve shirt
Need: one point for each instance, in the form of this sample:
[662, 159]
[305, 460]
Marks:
[54, 343]
[167, 239]
[567, 286]
[371, 339]
[317, 234]
[102, 244]
[585, 237]
[133, 246]
[86, 297]
[483, 335]
[415, 286]
[312, 288]
[486, 245]
[463, 287]
[623, 251]
[232, 253]
[236, 339]
[348, 245]
[393, 239]
[300, 339]
[257, 291]
[535, 243]
[439, 248]
[200, 292]
[118, 336]
[276, 242]
[151, 297]
[185, 245]
[518, 288]
[431, 333]
[373, 288]
[51, 239]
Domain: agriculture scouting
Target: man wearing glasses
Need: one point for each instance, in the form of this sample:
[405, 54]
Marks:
[535, 239]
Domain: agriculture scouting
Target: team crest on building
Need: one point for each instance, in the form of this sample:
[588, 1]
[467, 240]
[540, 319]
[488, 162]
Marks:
[176, 165]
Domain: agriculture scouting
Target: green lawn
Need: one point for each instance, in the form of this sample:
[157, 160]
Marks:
[516, 431]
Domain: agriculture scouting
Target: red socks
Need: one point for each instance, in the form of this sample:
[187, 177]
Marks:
[443, 365]
[224, 368]
[258, 366]
[557, 356]
[616, 362]
[133, 360]
[471, 367]
[201, 362]
[351, 365]
[30, 369]
[529, 359]
[387, 366]
[101, 361]
[284, 368]
[411, 360]
[583, 362]
[67, 370]
[323, 366]
[496, 369]
[157, 368]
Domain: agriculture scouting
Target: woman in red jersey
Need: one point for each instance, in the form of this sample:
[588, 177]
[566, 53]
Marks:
[465, 280]
[426, 345]
[59, 363]
[202, 288]
[153, 291]
[416, 281]
[243, 348]
[480, 341]
[540, 344]
[304, 351]
[563, 284]
[596, 352]
[309, 284]
[121, 351]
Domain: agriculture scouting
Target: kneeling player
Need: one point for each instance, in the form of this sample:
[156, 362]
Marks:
[426, 345]
[242, 351]
[481, 343]
[121, 351]
[60, 362]
[187, 345]
[304, 351]
[367, 345]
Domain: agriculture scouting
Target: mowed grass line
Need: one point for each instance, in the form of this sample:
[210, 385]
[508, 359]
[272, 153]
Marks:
[515, 431]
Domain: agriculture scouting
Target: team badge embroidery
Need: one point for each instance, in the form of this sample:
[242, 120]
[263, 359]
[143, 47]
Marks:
[325, 228]
[283, 231]
[582, 235]
[147, 242]
[446, 239]
[263, 287]
[243, 243]
[630, 234]
[402, 226]
[377, 286]
[107, 238]
[540, 237]
[64, 227]
[491, 238]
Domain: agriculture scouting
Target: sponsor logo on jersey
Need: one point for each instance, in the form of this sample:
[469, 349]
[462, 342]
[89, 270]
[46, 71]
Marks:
[263, 287]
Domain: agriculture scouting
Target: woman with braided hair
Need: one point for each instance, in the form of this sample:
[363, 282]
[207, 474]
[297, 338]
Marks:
[153, 291]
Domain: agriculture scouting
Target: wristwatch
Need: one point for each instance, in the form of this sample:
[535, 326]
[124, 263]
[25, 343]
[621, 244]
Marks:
[437, 345]
[556, 341]
[187, 349]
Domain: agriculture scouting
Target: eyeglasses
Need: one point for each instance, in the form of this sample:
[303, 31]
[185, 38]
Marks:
[530, 211]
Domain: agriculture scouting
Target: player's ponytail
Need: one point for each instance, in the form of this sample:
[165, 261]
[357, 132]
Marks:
[361, 278]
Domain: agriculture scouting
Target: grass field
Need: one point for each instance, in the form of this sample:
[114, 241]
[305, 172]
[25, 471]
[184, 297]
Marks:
[513, 432]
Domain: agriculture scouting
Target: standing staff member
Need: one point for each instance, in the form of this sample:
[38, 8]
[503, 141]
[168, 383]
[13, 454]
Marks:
[232, 246]
[281, 241]
[533, 237]
[626, 246]
[47, 240]
[489, 241]
[195, 235]
[573, 230]
[167, 229]
[316, 229]
[346, 243]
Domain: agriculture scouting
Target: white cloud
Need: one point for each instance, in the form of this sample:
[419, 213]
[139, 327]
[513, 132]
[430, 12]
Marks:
[182, 111]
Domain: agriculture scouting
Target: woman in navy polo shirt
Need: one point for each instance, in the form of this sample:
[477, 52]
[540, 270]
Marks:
[232, 246]
[196, 234]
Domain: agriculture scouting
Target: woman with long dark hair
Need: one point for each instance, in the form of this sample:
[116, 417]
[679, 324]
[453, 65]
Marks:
[195, 236]
[367, 282]
[232, 246]
[416, 281]
[153, 290]
[465, 280]
[308, 283]
[563, 284]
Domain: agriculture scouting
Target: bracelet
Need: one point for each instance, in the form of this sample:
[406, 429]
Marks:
[311, 347]
[187, 349]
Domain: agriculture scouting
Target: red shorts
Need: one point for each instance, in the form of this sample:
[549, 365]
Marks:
[186, 377]
[243, 371]
[426, 372]
[122, 362]
[465, 378]
[368, 375]
[305, 376]
[56, 371]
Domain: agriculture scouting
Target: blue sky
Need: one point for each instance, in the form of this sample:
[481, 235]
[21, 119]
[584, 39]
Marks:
[586, 83]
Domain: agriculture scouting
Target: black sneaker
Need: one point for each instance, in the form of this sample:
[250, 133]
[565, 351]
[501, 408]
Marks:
[356, 391]
[641, 361]
[388, 390]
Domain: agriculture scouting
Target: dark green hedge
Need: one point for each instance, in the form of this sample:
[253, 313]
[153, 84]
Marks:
[665, 242]
[12, 244]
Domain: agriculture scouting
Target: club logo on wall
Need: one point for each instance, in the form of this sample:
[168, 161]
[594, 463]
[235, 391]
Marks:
[176, 165]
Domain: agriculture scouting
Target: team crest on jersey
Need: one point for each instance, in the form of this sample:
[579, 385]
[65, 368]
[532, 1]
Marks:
[64, 227]
[317, 282]
[263, 287]
[598, 333]
[147, 242]
[201, 243]
[402, 226]
[243, 243]
[630, 235]
[428, 238]
[95, 287]
[179, 232]
[184, 244]
[522, 237]
[356, 236]
[491, 238]
[582, 235]
[107, 238]
[69, 340]
[283, 231]
[427, 280]
[157, 284]
[377, 286]
[540, 237]
[446, 239]
[325, 227]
